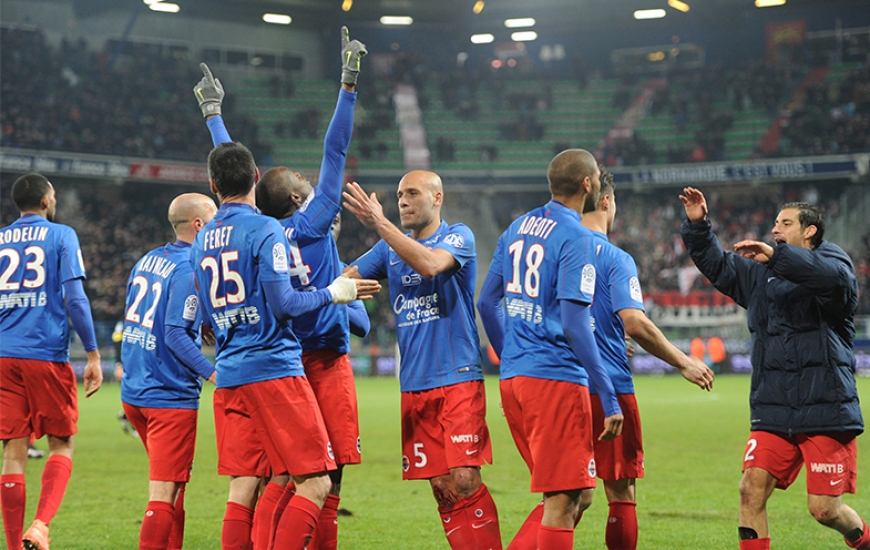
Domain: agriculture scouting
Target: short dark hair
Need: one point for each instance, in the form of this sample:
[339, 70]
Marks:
[607, 188]
[232, 168]
[28, 190]
[809, 215]
[273, 192]
[567, 171]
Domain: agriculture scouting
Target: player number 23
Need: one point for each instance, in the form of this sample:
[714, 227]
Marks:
[36, 266]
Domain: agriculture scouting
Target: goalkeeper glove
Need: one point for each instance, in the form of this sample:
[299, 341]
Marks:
[351, 53]
[209, 93]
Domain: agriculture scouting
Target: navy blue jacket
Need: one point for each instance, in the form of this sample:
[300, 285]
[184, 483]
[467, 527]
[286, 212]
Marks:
[800, 310]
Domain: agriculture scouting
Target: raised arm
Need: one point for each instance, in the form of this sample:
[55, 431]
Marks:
[210, 95]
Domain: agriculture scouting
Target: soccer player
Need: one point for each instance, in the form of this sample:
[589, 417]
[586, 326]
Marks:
[617, 312]
[544, 269]
[431, 273]
[41, 273]
[162, 368]
[800, 298]
[240, 260]
[307, 214]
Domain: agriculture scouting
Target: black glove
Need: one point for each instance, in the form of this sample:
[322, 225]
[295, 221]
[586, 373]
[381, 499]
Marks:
[209, 93]
[351, 53]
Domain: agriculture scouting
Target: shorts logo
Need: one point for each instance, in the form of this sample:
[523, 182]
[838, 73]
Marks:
[591, 467]
[406, 463]
[279, 257]
[821, 468]
[329, 450]
[190, 304]
[587, 279]
[358, 446]
[455, 240]
[465, 438]
[835, 482]
[478, 513]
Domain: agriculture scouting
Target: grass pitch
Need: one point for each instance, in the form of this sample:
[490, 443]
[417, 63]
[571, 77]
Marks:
[694, 446]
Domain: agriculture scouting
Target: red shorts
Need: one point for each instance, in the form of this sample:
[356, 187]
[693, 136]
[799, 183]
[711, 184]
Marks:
[169, 436]
[37, 397]
[444, 428]
[620, 458]
[274, 422]
[831, 459]
[551, 423]
[331, 378]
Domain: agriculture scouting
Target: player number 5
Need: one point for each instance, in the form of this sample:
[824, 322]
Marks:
[422, 459]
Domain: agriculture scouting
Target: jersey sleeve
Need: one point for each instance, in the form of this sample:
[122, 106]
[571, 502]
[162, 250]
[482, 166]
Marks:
[182, 303]
[625, 285]
[459, 241]
[72, 265]
[373, 264]
[576, 280]
[271, 252]
[496, 265]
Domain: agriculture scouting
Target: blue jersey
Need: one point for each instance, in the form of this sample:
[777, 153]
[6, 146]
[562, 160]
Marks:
[616, 288]
[161, 292]
[232, 256]
[435, 326]
[544, 257]
[36, 258]
[314, 264]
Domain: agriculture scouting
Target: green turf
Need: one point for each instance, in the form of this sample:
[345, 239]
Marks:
[694, 446]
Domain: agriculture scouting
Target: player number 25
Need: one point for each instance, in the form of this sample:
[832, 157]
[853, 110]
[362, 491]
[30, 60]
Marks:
[15, 260]
[532, 279]
[227, 274]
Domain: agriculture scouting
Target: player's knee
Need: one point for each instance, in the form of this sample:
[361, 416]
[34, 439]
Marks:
[466, 480]
[443, 491]
[825, 514]
[752, 490]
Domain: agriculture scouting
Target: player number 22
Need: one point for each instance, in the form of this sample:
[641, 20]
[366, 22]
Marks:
[132, 312]
[532, 279]
[15, 260]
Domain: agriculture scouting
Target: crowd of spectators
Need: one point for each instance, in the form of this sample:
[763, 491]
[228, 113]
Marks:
[130, 100]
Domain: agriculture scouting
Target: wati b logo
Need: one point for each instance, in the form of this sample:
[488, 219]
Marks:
[822, 468]
[465, 438]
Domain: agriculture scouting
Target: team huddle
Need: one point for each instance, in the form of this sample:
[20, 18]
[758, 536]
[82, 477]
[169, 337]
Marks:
[259, 277]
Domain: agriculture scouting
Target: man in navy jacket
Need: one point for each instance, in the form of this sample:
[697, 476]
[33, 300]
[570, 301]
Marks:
[800, 298]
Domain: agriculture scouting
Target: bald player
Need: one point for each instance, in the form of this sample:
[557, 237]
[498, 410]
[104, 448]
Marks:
[163, 368]
[431, 273]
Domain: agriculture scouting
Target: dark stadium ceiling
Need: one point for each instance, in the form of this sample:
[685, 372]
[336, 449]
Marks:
[458, 15]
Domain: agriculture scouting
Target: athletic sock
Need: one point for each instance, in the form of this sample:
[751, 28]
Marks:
[526, 538]
[156, 525]
[325, 535]
[285, 498]
[456, 526]
[55, 478]
[13, 497]
[482, 515]
[297, 524]
[621, 530]
[863, 543]
[176, 537]
[555, 538]
[236, 533]
[263, 515]
[755, 544]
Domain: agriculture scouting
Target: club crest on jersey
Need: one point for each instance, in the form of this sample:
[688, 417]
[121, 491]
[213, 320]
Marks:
[634, 288]
[190, 304]
[587, 279]
[591, 467]
[279, 258]
[455, 240]
[406, 463]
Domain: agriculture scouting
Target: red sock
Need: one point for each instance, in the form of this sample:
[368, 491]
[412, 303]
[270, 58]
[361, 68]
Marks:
[236, 534]
[526, 538]
[13, 496]
[621, 530]
[482, 514]
[555, 538]
[156, 525]
[55, 478]
[283, 501]
[297, 524]
[755, 544]
[325, 535]
[263, 515]
[864, 542]
[176, 537]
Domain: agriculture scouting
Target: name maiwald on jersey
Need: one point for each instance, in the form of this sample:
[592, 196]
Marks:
[36, 257]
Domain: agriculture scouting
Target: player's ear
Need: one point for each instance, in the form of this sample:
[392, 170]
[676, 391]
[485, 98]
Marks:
[212, 186]
[256, 175]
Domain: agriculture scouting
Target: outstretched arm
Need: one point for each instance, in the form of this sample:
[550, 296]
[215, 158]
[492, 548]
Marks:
[210, 95]
[650, 338]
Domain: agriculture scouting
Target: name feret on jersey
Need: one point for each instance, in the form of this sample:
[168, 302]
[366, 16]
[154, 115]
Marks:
[438, 340]
[544, 257]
